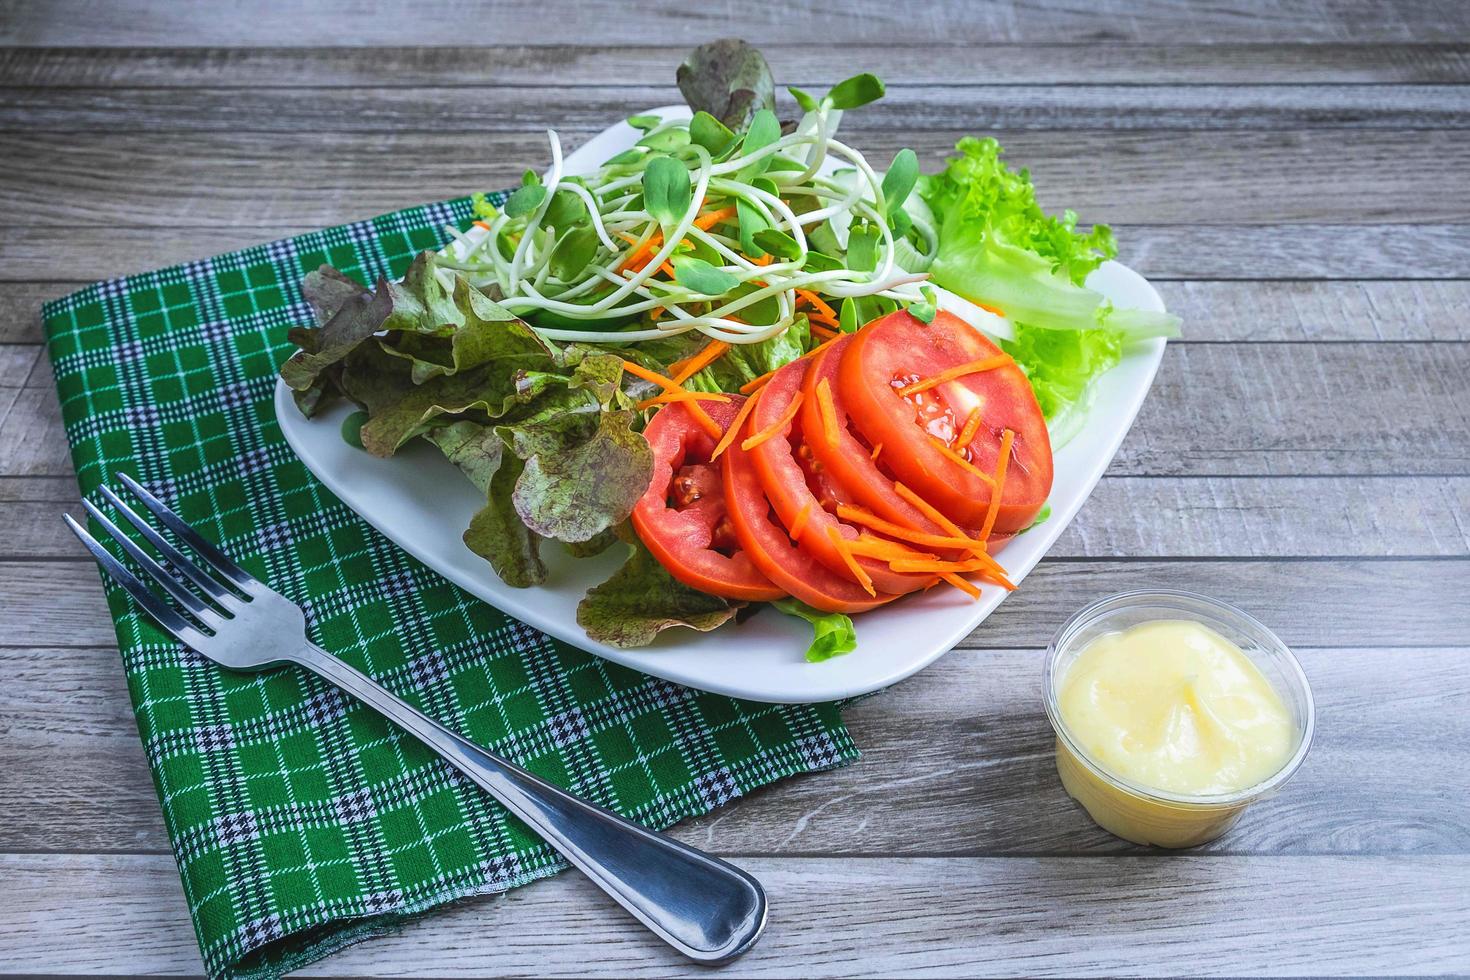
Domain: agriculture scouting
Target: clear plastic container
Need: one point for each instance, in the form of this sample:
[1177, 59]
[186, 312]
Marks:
[1143, 814]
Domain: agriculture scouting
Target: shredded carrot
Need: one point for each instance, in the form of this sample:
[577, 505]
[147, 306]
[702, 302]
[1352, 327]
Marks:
[851, 562]
[706, 423]
[682, 395]
[734, 429]
[826, 333]
[966, 587]
[907, 564]
[689, 367]
[856, 515]
[798, 524]
[652, 377]
[816, 302]
[481, 224]
[1006, 439]
[829, 414]
[876, 450]
[869, 546]
[958, 371]
[755, 383]
[639, 252]
[972, 426]
[928, 510]
[775, 427]
[955, 457]
[709, 219]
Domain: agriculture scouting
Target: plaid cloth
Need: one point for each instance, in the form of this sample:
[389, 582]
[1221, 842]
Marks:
[301, 820]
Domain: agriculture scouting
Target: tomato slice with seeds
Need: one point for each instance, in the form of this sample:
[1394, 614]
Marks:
[779, 558]
[682, 517]
[795, 481]
[898, 351]
[849, 461]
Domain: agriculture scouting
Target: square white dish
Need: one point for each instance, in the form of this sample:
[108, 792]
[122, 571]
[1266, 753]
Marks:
[422, 503]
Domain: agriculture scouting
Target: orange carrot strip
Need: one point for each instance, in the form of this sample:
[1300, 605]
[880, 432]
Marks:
[826, 333]
[958, 371]
[709, 425]
[689, 367]
[755, 383]
[1006, 440]
[975, 546]
[955, 457]
[876, 450]
[709, 219]
[972, 426]
[734, 429]
[959, 583]
[856, 515]
[682, 395]
[775, 427]
[798, 524]
[481, 224]
[829, 414]
[840, 544]
[639, 251]
[816, 302]
[652, 377]
[869, 546]
[907, 564]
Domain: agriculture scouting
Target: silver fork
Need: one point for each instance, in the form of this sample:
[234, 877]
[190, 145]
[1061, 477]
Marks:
[705, 908]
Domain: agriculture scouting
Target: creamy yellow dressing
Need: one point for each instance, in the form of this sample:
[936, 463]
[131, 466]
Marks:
[1174, 706]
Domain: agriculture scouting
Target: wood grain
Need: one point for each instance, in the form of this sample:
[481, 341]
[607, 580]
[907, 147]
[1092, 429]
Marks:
[841, 917]
[373, 109]
[302, 181]
[957, 760]
[1317, 603]
[805, 65]
[275, 23]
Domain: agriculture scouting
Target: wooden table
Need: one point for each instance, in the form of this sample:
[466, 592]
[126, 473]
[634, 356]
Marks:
[1296, 177]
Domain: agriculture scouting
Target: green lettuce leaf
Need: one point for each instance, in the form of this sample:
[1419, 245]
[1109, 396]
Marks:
[833, 633]
[997, 247]
[642, 599]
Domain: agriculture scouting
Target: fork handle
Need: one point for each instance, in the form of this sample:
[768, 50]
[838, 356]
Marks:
[707, 909]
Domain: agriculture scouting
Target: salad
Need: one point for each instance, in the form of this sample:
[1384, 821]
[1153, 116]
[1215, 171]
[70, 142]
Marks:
[767, 369]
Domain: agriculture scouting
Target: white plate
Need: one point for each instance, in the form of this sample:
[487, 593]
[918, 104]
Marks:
[421, 502]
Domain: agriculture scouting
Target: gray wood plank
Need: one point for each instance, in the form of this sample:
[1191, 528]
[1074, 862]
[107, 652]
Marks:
[1160, 252]
[273, 23]
[60, 603]
[1213, 310]
[917, 108]
[912, 64]
[310, 180]
[1257, 409]
[1133, 517]
[837, 917]
[957, 760]
[1321, 311]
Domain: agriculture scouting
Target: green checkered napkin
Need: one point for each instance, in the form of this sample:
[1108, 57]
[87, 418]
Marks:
[301, 821]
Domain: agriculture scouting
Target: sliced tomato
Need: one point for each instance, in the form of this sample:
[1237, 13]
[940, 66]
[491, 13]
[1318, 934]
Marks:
[796, 483]
[850, 461]
[774, 553]
[898, 351]
[682, 516]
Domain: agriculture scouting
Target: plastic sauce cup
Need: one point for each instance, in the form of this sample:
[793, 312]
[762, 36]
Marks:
[1144, 814]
